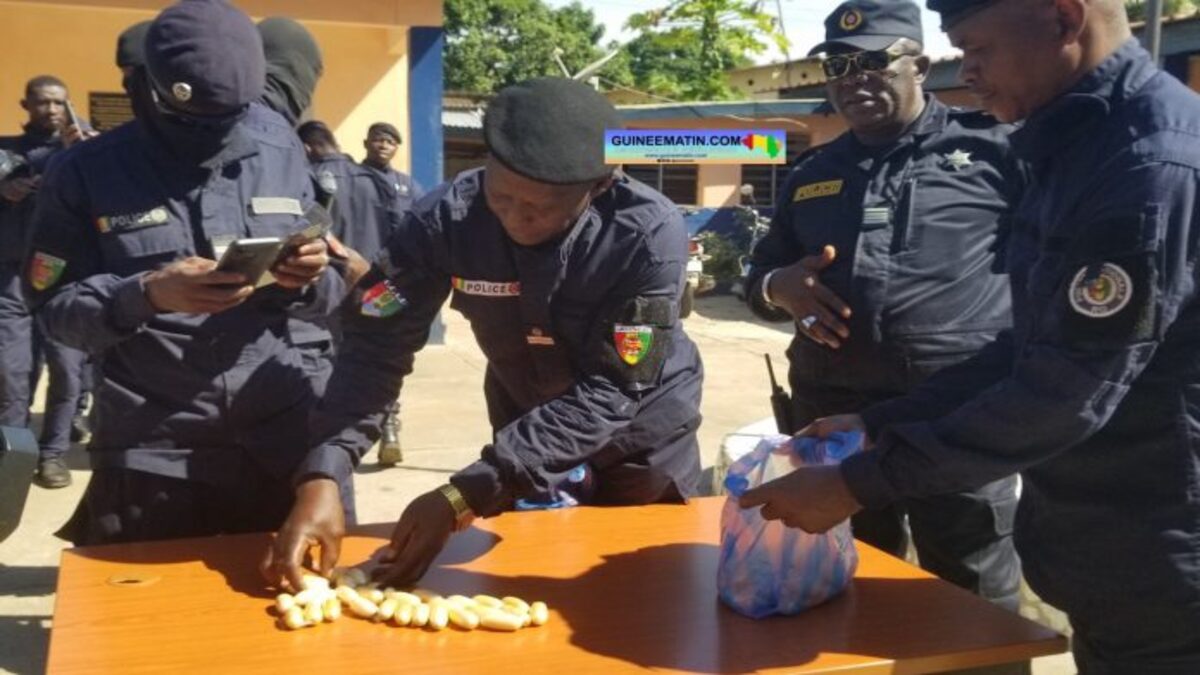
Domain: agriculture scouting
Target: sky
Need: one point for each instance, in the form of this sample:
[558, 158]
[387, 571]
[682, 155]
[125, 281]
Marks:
[803, 23]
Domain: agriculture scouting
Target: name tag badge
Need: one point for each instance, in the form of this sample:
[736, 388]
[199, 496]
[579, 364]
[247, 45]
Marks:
[133, 221]
[876, 217]
[487, 289]
[265, 206]
[827, 188]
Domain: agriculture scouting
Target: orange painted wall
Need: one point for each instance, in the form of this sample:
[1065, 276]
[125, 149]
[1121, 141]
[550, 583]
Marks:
[366, 62]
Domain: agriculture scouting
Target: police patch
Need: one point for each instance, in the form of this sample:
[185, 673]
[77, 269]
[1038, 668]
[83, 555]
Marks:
[45, 270]
[633, 342]
[132, 221]
[826, 188]
[487, 289]
[382, 300]
[1099, 292]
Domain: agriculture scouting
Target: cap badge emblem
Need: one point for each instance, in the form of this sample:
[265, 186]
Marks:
[182, 91]
[851, 20]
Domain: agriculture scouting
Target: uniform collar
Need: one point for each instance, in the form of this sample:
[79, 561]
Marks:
[1063, 120]
[932, 120]
[34, 136]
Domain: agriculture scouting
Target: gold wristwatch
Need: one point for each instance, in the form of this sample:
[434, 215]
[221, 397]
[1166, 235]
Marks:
[463, 515]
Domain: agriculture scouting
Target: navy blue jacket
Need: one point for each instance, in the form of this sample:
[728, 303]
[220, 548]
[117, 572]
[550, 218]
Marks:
[365, 203]
[179, 392]
[916, 225]
[35, 149]
[400, 185]
[550, 320]
[1095, 393]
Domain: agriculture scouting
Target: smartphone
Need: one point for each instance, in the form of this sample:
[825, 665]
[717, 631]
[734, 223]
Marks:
[319, 222]
[251, 258]
[72, 118]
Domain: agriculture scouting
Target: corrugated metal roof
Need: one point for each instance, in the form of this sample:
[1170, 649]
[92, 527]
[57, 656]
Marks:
[462, 119]
[703, 109]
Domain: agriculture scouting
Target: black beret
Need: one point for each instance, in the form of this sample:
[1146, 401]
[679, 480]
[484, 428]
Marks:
[953, 11]
[551, 130]
[870, 25]
[384, 128]
[205, 57]
[131, 46]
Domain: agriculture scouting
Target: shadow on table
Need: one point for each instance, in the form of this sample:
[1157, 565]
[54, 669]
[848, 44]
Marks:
[24, 643]
[21, 581]
[237, 557]
[615, 610]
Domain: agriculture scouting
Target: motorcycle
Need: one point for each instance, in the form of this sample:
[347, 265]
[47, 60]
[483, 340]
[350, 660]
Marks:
[759, 225]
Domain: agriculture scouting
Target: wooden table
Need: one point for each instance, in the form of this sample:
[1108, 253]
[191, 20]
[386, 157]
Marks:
[629, 588]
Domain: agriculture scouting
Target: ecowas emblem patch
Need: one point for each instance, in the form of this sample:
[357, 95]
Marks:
[1099, 294]
[382, 300]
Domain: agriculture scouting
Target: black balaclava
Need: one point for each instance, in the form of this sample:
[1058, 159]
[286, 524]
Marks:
[131, 53]
[293, 66]
[204, 66]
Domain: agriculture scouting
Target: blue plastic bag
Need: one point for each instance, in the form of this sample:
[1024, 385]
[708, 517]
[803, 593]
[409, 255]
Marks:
[766, 567]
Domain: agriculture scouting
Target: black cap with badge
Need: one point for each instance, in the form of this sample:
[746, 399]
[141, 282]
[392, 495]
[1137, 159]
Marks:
[953, 11]
[871, 25]
[550, 129]
[205, 58]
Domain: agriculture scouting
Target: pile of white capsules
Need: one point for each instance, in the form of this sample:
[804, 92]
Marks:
[323, 601]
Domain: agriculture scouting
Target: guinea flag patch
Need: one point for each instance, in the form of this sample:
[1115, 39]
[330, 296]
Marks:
[633, 342]
[45, 270]
[382, 300]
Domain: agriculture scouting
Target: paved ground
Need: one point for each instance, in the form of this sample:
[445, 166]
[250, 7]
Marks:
[445, 425]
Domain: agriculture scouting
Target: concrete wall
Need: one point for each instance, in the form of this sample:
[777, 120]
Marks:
[365, 45]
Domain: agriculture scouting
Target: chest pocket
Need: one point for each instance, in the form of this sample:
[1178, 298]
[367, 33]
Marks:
[825, 212]
[131, 244]
[496, 321]
[274, 216]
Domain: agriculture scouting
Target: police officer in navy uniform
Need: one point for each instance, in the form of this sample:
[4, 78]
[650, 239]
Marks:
[365, 205]
[571, 277]
[883, 250]
[382, 142]
[204, 399]
[1093, 395]
[22, 347]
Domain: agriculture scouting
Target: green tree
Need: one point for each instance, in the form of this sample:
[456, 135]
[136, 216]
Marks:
[1136, 9]
[494, 43]
[683, 49]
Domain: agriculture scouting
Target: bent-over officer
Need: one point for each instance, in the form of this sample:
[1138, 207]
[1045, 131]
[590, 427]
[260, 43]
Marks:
[571, 277]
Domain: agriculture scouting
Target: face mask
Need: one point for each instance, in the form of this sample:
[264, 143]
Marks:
[193, 139]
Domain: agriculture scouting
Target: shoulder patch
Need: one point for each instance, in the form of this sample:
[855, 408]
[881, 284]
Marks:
[1100, 291]
[45, 270]
[382, 300]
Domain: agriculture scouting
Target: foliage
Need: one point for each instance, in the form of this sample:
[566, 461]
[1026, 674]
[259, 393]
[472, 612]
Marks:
[1136, 9]
[491, 44]
[683, 49]
[721, 257]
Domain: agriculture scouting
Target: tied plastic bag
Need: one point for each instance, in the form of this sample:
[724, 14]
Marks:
[766, 567]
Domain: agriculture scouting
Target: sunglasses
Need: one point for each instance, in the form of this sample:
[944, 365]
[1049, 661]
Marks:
[838, 65]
